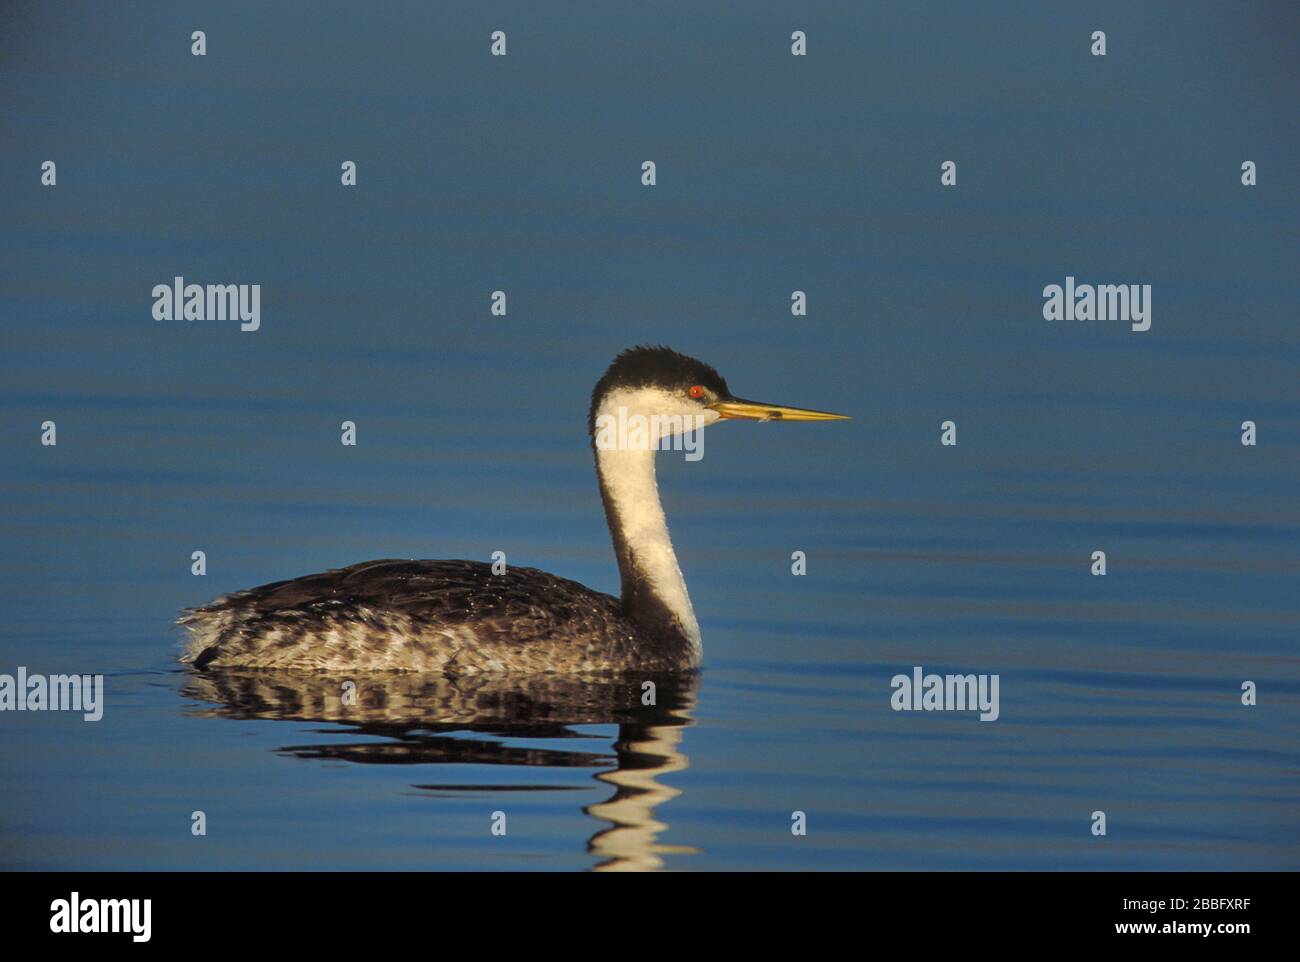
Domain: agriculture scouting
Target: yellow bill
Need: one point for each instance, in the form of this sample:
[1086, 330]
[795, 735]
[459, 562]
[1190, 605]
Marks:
[738, 408]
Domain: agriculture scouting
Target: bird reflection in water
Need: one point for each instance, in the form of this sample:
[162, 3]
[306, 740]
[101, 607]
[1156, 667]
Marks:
[425, 719]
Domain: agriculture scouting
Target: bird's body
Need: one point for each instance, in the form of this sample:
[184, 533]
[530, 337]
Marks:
[462, 617]
[452, 617]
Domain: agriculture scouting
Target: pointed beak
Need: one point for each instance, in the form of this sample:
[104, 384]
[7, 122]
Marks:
[737, 408]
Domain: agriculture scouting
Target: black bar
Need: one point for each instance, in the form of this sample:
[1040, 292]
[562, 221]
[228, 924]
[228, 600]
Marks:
[981, 910]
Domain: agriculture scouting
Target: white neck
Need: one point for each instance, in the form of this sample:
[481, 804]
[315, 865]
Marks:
[654, 591]
[646, 561]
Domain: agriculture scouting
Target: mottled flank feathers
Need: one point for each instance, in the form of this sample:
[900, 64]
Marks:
[453, 617]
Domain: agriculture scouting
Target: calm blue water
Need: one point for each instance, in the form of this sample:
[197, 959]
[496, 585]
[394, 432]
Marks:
[1119, 694]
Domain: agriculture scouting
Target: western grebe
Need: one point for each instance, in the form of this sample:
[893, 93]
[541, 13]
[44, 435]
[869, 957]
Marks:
[459, 617]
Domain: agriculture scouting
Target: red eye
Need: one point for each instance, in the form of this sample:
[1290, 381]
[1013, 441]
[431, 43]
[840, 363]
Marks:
[696, 391]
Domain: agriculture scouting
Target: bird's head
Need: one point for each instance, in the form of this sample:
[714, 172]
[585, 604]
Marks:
[676, 393]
